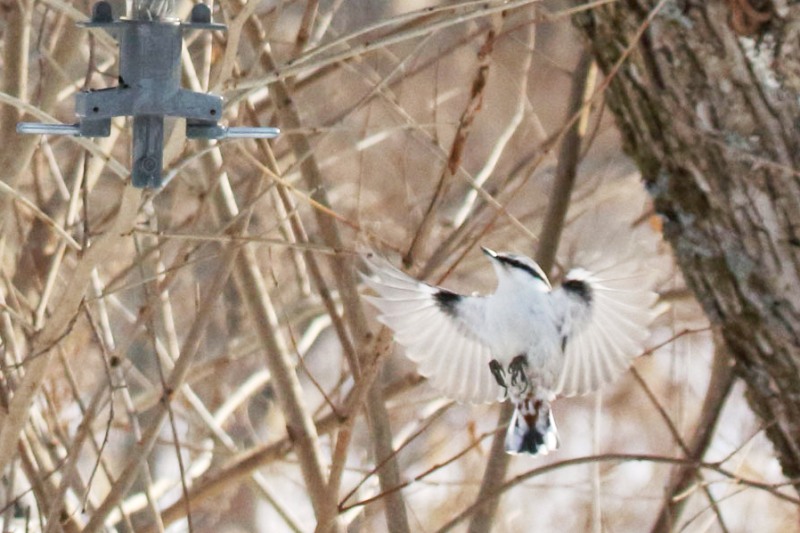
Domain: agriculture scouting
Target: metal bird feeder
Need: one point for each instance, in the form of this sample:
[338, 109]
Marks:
[149, 89]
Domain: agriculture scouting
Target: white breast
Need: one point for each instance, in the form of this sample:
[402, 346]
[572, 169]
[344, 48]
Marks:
[522, 321]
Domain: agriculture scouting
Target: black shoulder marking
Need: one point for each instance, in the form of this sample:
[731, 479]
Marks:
[447, 301]
[579, 288]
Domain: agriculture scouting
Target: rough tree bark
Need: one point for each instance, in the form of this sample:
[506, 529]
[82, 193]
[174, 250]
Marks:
[707, 103]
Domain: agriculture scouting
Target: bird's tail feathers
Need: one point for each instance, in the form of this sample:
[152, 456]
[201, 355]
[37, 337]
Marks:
[532, 429]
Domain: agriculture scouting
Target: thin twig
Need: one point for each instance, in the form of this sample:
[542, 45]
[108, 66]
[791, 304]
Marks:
[615, 457]
[468, 115]
[719, 387]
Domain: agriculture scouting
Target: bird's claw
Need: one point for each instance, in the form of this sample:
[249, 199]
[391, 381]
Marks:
[519, 379]
[518, 376]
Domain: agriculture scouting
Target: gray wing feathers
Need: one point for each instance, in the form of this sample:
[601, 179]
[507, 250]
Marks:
[608, 333]
[447, 352]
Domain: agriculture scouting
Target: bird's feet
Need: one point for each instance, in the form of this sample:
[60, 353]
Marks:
[519, 378]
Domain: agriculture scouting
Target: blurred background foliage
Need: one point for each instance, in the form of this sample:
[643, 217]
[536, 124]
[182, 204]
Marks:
[382, 104]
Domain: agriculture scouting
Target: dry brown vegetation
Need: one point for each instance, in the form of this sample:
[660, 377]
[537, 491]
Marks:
[198, 358]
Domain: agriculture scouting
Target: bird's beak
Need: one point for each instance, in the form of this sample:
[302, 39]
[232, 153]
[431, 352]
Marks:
[489, 252]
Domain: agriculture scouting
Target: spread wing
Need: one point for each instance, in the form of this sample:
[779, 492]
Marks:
[605, 325]
[426, 322]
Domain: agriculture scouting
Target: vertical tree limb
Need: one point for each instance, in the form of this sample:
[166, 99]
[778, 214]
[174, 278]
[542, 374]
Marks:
[344, 272]
[495, 473]
[16, 154]
[12, 422]
[173, 383]
[16, 51]
[706, 114]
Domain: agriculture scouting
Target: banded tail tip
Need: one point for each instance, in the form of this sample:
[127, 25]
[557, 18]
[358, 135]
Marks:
[532, 429]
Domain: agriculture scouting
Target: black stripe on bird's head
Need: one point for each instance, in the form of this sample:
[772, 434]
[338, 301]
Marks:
[519, 262]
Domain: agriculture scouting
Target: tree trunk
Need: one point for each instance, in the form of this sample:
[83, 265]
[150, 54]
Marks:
[707, 103]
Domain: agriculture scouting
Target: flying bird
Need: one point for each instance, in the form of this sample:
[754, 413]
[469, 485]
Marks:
[527, 342]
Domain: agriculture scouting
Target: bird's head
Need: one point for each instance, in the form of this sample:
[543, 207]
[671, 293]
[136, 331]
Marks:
[517, 268]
